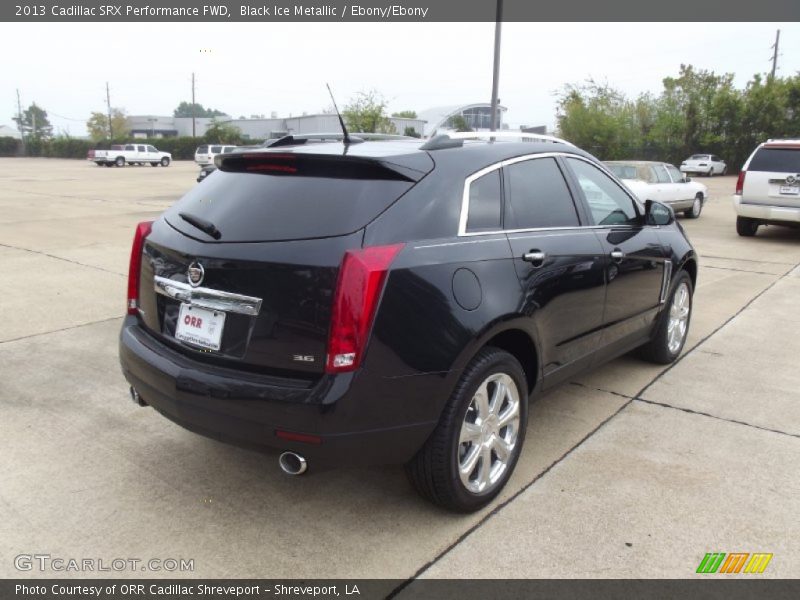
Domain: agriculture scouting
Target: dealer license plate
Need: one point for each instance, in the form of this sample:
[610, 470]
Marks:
[794, 190]
[200, 326]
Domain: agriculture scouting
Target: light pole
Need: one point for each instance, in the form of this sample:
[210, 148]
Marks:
[152, 126]
[496, 72]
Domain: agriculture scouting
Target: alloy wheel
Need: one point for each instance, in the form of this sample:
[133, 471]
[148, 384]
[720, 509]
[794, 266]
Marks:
[488, 437]
[678, 318]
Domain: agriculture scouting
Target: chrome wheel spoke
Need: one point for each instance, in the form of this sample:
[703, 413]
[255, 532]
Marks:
[481, 400]
[468, 463]
[498, 396]
[502, 449]
[470, 432]
[486, 466]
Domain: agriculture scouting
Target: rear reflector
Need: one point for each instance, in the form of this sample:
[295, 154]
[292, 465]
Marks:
[740, 183]
[135, 265]
[358, 291]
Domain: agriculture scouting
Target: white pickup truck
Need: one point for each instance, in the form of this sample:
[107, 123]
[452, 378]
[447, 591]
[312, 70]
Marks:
[132, 154]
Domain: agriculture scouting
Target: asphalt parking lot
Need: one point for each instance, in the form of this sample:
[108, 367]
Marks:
[630, 471]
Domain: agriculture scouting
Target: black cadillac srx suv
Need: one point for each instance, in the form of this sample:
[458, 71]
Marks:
[397, 301]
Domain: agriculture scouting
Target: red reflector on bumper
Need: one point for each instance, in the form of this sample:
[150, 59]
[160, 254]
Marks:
[292, 436]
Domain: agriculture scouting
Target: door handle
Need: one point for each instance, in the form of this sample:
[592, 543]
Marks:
[617, 255]
[535, 257]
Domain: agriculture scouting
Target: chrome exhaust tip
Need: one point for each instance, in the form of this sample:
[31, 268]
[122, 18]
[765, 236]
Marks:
[292, 463]
[137, 398]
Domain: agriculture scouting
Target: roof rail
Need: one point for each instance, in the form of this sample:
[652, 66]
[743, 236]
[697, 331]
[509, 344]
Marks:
[506, 134]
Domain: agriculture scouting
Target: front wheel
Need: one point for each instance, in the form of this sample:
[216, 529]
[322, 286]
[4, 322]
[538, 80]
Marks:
[165, 162]
[697, 207]
[471, 454]
[673, 323]
[746, 227]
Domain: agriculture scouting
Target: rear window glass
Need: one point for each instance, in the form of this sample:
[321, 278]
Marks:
[539, 195]
[254, 207]
[784, 160]
[699, 157]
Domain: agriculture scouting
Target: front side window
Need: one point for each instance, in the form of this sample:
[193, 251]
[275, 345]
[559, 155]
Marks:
[151, 149]
[661, 174]
[538, 196]
[141, 149]
[485, 203]
[675, 174]
[608, 203]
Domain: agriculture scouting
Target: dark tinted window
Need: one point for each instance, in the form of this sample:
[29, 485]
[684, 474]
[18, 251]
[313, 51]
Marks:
[129, 147]
[202, 149]
[783, 160]
[608, 203]
[485, 203]
[216, 149]
[539, 196]
[251, 207]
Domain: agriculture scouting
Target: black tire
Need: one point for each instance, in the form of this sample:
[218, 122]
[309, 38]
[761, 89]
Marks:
[658, 349]
[434, 471]
[697, 207]
[165, 162]
[154, 164]
[725, 170]
[120, 161]
[109, 164]
[746, 227]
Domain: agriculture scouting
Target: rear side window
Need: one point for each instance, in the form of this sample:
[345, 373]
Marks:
[216, 149]
[784, 160]
[538, 195]
[485, 203]
[202, 150]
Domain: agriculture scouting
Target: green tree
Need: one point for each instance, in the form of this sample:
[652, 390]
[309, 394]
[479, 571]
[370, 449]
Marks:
[411, 132]
[34, 123]
[220, 132]
[405, 114]
[187, 109]
[459, 123]
[366, 113]
[97, 125]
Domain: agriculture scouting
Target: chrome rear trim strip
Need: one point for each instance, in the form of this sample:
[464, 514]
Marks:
[207, 298]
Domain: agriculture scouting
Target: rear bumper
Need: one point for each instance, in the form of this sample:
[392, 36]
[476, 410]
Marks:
[765, 212]
[360, 418]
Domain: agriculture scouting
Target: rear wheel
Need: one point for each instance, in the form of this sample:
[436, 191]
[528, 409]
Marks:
[471, 454]
[109, 164]
[673, 324]
[165, 162]
[120, 162]
[697, 207]
[154, 164]
[746, 227]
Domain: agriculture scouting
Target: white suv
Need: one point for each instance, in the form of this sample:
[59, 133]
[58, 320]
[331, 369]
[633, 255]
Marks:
[768, 189]
[204, 155]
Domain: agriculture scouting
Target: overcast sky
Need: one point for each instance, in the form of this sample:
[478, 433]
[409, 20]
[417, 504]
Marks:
[249, 68]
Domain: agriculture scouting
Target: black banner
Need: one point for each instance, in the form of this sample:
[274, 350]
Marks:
[281, 11]
[713, 587]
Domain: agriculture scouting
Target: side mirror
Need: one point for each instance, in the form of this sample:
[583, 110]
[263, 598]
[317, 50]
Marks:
[656, 213]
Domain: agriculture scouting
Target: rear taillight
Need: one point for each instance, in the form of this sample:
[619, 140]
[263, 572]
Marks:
[358, 290]
[135, 266]
[740, 183]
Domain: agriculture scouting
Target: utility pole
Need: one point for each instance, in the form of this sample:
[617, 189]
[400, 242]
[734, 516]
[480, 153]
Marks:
[775, 54]
[194, 133]
[19, 122]
[496, 72]
[108, 103]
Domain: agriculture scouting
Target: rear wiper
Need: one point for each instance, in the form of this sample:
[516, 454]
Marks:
[203, 225]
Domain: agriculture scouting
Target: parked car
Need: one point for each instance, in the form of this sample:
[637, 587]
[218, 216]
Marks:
[704, 164]
[205, 154]
[768, 188]
[133, 154]
[397, 302]
[662, 182]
